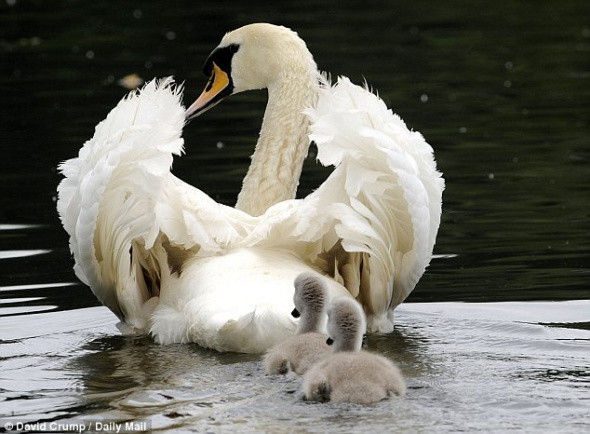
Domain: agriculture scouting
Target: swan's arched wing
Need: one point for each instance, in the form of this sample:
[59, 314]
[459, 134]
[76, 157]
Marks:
[384, 197]
[127, 216]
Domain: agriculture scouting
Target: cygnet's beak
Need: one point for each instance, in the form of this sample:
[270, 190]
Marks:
[295, 313]
[330, 341]
[218, 87]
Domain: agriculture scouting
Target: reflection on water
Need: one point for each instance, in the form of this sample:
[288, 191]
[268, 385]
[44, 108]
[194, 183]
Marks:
[503, 98]
[8, 254]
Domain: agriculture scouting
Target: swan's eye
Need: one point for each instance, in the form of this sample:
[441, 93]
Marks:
[234, 48]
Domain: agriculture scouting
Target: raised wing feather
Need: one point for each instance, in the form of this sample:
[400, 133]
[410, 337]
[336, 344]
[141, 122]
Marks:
[384, 196]
[127, 215]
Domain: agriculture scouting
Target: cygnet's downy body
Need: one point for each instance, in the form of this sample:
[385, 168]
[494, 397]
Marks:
[350, 374]
[298, 353]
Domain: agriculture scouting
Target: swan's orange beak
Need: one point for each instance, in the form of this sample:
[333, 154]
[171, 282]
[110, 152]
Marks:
[218, 87]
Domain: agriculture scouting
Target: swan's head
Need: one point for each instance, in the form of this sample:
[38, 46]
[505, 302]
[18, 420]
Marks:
[252, 57]
[346, 324]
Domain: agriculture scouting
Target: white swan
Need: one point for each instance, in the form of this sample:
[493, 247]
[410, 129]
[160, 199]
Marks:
[298, 353]
[170, 261]
[350, 374]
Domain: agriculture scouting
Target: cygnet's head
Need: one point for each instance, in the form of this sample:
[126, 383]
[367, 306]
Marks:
[251, 57]
[310, 294]
[346, 324]
[310, 300]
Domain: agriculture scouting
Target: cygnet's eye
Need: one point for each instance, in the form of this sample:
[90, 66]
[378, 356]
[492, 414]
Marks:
[330, 341]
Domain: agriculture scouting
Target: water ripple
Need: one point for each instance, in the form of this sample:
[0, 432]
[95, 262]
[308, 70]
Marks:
[25, 310]
[16, 227]
[36, 286]
[9, 254]
[464, 364]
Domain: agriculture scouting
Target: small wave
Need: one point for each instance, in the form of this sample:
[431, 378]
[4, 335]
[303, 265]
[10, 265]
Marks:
[36, 286]
[9, 254]
[20, 300]
[21, 310]
[16, 227]
[445, 256]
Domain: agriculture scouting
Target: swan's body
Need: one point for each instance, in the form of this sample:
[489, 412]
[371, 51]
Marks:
[300, 352]
[170, 261]
[350, 374]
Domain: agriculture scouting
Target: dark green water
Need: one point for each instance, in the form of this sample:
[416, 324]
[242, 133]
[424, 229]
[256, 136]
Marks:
[500, 89]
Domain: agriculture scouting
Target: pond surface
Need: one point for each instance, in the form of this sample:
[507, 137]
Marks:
[489, 366]
[496, 334]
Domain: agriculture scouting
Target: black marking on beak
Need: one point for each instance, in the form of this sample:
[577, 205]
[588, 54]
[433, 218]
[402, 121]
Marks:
[221, 57]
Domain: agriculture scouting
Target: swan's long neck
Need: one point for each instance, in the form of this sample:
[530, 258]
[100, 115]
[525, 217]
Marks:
[283, 144]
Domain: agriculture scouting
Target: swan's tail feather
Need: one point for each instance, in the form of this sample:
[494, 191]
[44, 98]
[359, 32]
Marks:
[385, 193]
[255, 332]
